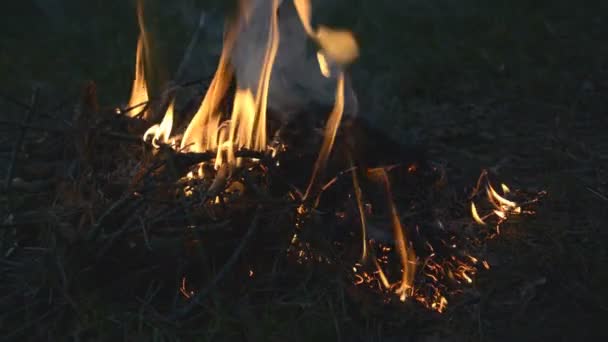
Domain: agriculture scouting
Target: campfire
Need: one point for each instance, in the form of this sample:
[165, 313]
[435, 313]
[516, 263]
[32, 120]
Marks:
[239, 189]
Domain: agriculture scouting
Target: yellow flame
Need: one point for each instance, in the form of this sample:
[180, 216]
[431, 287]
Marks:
[241, 122]
[440, 305]
[162, 132]
[139, 91]
[383, 277]
[331, 128]
[475, 215]
[202, 131]
[323, 65]
[408, 256]
[248, 119]
[497, 199]
[505, 188]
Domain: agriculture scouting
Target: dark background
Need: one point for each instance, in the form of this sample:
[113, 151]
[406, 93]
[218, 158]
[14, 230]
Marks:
[514, 85]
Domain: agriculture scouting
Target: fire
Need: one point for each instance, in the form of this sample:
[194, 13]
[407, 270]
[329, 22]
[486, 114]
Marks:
[323, 64]
[406, 252]
[160, 133]
[331, 129]
[503, 208]
[407, 256]
[475, 215]
[139, 91]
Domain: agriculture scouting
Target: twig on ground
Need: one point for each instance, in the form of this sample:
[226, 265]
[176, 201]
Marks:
[196, 300]
[597, 193]
[26, 121]
[96, 229]
[10, 99]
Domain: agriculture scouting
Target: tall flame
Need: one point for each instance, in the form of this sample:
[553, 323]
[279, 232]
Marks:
[248, 122]
[407, 255]
[201, 133]
[331, 129]
[248, 119]
[139, 91]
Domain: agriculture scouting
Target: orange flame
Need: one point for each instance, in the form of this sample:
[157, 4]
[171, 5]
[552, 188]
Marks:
[408, 256]
[139, 91]
[247, 127]
[331, 129]
[202, 132]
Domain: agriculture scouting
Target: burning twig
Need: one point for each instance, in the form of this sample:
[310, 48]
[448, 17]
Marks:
[202, 293]
[19, 141]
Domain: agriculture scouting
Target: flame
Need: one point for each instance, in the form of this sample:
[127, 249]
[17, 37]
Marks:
[475, 215]
[407, 255]
[323, 65]
[162, 132]
[339, 45]
[139, 91]
[503, 207]
[248, 118]
[499, 200]
[201, 135]
[331, 128]
[380, 272]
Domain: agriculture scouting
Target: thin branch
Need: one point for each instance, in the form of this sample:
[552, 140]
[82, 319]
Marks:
[196, 300]
[17, 147]
[10, 99]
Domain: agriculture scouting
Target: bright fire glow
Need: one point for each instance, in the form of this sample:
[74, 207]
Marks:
[502, 207]
[331, 129]
[161, 133]
[408, 257]
[323, 65]
[139, 91]
[475, 215]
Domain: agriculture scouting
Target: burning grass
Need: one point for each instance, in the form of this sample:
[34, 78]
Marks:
[165, 234]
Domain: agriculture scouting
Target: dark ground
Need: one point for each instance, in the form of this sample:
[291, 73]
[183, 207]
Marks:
[519, 86]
